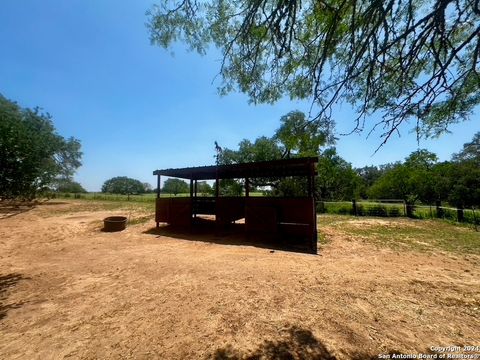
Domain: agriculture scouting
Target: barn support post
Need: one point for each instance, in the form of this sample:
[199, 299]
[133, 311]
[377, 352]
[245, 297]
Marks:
[192, 211]
[310, 183]
[247, 187]
[311, 194]
[158, 196]
[194, 200]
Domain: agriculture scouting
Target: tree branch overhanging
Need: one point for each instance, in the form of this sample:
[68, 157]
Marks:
[407, 60]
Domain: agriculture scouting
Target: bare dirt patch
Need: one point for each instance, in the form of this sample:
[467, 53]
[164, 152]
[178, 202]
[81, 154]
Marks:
[68, 290]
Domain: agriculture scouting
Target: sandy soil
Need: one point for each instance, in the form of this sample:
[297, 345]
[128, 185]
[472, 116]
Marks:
[69, 290]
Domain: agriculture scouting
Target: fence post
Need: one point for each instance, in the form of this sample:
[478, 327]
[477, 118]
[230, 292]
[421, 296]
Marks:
[410, 209]
[474, 218]
[460, 214]
[321, 207]
[354, 206]
[439, 209]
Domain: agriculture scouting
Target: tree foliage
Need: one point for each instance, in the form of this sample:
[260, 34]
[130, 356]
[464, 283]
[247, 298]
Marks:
[66, 185]
[470, 151]
[32, 154]
[175, 186]
[411, 181]
[299, 137]
[204, 188]
[421, 178]
[296, 137]
[405, 59]
[336, 179]
[123, 185]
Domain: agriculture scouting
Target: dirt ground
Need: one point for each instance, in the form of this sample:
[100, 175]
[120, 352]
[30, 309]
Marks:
[69, 290]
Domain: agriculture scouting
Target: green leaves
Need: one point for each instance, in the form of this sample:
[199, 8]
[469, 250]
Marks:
[123, 185]
[406, 60]
[32, 154]
[175, 186]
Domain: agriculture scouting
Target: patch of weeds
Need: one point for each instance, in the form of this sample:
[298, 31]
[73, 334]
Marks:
[406, 234]
[141, 219]
[328, 220]
[322, 239]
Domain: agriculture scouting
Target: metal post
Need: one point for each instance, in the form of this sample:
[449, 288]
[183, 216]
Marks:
[474, 218]
[438, 208]
[460, 217]
[247, 187]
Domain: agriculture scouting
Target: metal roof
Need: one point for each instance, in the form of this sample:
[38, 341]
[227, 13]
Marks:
[274, 168]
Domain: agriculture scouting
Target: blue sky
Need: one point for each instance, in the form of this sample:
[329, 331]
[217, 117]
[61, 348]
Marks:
[137, 108]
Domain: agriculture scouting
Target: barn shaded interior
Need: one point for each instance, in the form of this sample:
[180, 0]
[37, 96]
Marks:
[291, 220]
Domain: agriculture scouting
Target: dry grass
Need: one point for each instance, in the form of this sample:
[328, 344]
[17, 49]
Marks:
[68, 290]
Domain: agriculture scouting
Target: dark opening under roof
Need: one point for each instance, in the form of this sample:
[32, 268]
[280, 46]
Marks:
[273, 168]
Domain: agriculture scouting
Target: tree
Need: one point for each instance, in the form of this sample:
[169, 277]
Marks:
[123, 185]
[204, 188]
[336, 179]
[175, 186]
[405, 59]
[411, 181]
[295, 137]
[421, 159]
[394, 184]
[299, 137]
[262, 149]
[32, 154]
[147, 187]
[470, 151]
[368, 176]
[458, 183]
[465, 191]
[65, 185]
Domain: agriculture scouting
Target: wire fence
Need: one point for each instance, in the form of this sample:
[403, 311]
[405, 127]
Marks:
[397, 208]
[106, 197]
[377, 207]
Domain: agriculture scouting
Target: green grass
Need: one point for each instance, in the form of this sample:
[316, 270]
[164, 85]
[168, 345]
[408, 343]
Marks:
[136, 198]
[364, 208]
[87, 205]
[116, 197]
[405, 234]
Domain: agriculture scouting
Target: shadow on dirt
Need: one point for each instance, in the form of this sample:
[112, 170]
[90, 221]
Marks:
[297, 344]
[10, 209]
[234, 234]
[7, 282]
